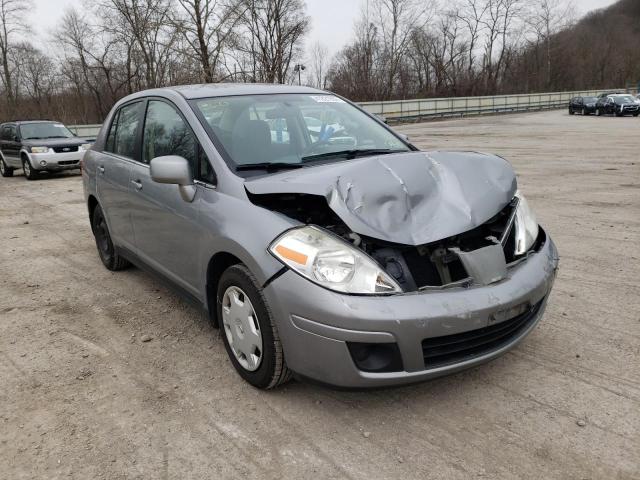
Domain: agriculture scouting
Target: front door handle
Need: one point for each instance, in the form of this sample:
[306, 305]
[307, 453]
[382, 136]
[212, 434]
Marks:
[101, 169]
[137, 184]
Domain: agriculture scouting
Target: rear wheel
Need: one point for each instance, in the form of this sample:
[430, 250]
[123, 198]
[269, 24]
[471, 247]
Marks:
[249, 333]
[27, 169]
[5, 171]
[107, 252]
[571, 112]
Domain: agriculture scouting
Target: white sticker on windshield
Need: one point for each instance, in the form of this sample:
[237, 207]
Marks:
[59, 125]
[326, 99]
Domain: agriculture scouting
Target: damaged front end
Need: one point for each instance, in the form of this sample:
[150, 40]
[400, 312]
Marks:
[479, 256]
[428, 221]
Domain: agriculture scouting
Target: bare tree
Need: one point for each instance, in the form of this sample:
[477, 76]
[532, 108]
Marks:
[207, 27]
[12, 15]
[546, 18]
[396, 20]
[319, 65]
[275, 30]
[144, 25]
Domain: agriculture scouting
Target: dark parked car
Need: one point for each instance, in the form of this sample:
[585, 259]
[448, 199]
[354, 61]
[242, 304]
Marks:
[619, 105]
[39, 146]
[583, 105]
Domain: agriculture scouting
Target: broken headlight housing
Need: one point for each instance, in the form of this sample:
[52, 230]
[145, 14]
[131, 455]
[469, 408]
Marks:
[526, 226]
[331, 262]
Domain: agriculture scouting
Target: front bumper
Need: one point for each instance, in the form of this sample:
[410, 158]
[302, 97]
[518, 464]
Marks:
[315, 324]
[56, 161]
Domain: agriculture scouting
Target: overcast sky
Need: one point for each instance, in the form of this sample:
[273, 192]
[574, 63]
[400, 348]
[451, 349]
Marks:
[331, 20]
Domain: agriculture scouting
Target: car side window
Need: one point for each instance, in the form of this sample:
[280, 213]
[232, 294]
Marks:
[124, 131]
[111, 138]
[166, 133]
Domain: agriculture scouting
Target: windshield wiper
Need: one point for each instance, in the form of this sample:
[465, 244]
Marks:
[351, 154]
[269, 167]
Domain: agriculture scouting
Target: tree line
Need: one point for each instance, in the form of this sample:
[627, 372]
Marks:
[400, 49]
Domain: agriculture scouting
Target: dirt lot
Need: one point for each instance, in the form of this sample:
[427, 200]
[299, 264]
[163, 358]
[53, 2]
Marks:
[81, 396]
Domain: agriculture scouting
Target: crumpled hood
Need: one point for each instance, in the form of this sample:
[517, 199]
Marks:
[408, 198]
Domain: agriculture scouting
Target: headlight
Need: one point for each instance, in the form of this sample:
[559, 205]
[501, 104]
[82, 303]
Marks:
[39, 149]
[331, 262]
[84, 147]
[526, 226]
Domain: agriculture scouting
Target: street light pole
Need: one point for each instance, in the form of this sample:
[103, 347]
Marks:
[298, 67]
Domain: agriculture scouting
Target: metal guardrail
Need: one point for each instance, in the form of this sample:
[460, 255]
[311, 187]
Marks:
[423, 108]
[408, 110]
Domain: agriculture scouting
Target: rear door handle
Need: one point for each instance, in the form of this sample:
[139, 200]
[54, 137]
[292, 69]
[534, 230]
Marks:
[101, 169]
[137, 184]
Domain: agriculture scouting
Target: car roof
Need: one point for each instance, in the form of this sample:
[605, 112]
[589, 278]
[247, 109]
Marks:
[231, 89]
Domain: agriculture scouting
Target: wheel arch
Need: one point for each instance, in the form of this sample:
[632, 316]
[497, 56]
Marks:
[215, 268]
[92, 203]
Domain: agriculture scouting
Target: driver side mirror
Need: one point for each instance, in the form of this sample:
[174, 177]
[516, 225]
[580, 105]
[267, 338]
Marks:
[174, 170]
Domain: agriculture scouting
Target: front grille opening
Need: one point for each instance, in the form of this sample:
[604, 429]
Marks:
[434, 265]
[67, 149]
[460, 347]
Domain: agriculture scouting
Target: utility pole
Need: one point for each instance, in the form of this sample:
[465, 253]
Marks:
[298, 67]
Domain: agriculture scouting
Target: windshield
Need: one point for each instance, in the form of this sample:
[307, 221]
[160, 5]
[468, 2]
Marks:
[623, 98]
[290, 130]
[31, 131]
[590, 99]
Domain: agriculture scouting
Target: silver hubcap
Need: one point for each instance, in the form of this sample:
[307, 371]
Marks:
[242, 328]
[26, 168]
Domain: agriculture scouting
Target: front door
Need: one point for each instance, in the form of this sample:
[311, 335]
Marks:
[168, 235]
[11, 146]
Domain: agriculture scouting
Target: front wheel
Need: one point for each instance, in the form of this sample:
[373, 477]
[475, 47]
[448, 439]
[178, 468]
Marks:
[27, 169]
[571, 111]
[248, 330]
[110, 258]
[5, 171]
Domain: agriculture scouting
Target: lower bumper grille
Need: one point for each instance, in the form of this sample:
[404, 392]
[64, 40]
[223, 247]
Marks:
[449, 349]
[68, 162]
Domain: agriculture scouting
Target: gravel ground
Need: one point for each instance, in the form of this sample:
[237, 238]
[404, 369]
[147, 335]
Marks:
[83, 395]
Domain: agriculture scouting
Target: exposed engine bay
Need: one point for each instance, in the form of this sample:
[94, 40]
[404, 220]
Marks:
[430, 266]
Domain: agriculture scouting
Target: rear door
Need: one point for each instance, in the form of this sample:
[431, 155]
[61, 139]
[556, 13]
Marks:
[168, 235]
[114, 166]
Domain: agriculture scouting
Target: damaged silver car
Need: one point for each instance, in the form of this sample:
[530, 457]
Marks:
[322, 243]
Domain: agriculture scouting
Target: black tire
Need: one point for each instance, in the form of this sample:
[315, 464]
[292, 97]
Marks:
[107, 252]
[571, 112]
[5, 171]
[636, 114]
[27, 169]
[272, 370]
